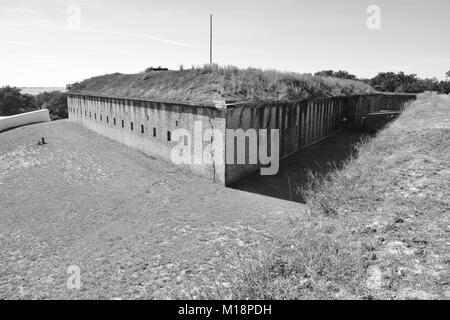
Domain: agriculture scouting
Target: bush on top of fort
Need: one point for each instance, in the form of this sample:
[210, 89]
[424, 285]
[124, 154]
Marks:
[214, 83]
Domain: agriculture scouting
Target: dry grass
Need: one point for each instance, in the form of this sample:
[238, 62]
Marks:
[379, 228]
[213, 83]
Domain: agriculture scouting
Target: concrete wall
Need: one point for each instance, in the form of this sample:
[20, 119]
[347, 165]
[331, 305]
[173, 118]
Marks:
[105, 115]
[376, 102]
[24, 119]
[304, 123]
[300, 124]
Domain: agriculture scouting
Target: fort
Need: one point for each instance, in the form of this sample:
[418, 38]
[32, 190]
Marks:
[148, 125]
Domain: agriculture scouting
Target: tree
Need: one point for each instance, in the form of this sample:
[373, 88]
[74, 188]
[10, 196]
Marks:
[447, 74]
[344, 75]
[336, 74]
[444, 87]
[408, 83]
[12, 101]
[324, 73]
[55, 102]
[385, 82]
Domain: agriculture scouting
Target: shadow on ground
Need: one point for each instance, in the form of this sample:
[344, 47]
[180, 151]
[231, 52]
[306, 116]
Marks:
[320, 158]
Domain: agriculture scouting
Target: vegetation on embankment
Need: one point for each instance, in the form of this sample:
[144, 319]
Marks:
[399, 82]
[213, 83]
[408, 83]
[378, 228]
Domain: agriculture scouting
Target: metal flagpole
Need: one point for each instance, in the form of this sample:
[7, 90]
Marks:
[211, 40]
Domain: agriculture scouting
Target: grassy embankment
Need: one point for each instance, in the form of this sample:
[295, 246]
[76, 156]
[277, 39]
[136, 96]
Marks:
[377, 228]
[215, 83]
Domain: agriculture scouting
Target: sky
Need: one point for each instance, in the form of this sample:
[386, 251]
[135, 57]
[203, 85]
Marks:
[58, 42]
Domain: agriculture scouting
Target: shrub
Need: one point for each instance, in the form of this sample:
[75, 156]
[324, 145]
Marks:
[55, 102]
[12, 101]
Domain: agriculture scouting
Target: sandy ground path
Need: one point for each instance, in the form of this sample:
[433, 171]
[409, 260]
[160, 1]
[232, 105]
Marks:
[136, 226]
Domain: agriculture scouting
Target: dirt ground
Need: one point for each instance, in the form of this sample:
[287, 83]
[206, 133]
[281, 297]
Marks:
[137, 227]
